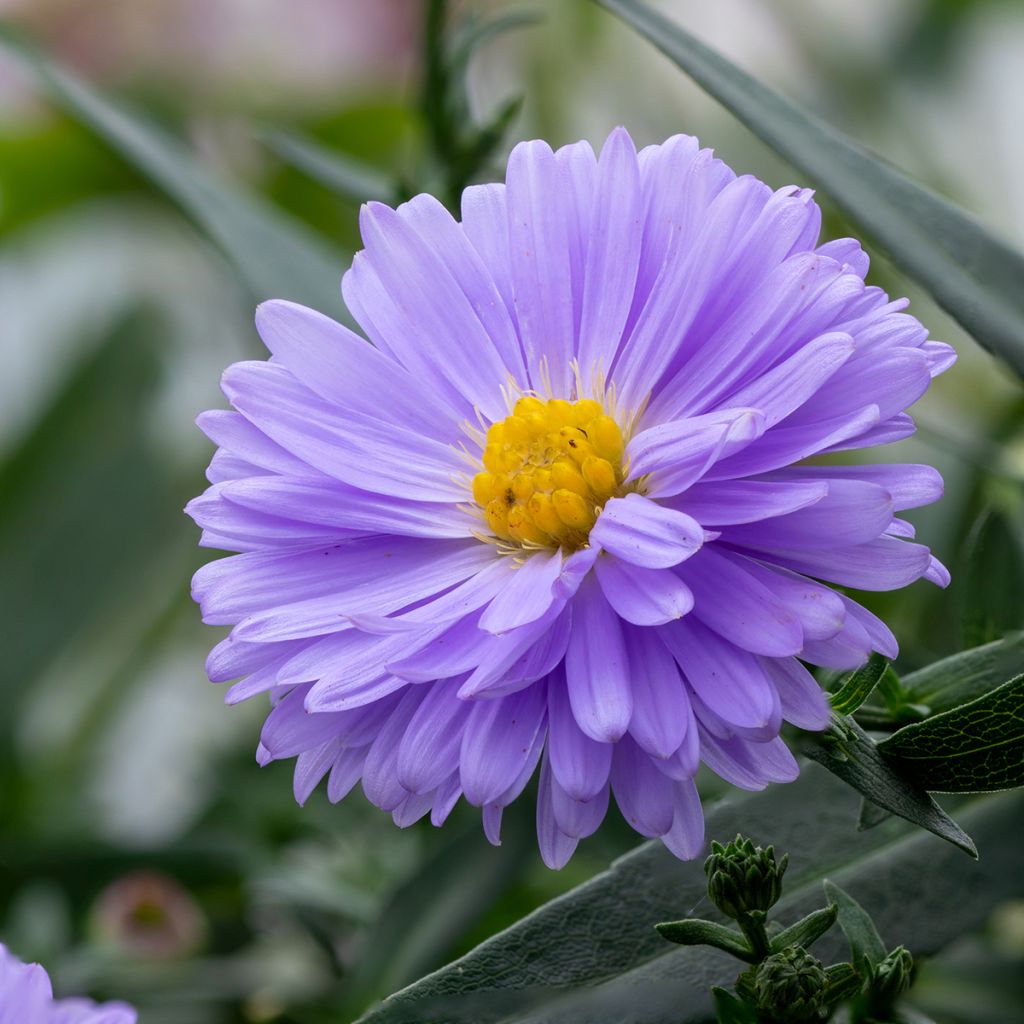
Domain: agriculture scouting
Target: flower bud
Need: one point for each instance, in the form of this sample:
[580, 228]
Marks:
[790, 985]
[892, 976]
[743, 877]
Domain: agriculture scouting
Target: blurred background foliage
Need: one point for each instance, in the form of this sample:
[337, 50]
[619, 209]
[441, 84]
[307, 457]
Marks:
[142, 852]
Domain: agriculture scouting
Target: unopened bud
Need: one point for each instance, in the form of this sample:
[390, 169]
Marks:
[743, 877]
[790, 985]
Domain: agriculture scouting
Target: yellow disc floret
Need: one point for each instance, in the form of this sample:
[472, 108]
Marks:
[549, 467]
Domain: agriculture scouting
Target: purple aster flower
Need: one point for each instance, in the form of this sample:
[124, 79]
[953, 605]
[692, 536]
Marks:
[562, 513]
[26, 997]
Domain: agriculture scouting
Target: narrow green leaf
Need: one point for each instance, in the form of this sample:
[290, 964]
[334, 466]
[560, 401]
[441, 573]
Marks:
[696, 932]
[865, 943]
[473, 33]
[858, 686]
[849, 753]
[588, 954]
[807, 930]
[970, 273]
[275, 255]
[993, 578]
[975, 748]
[349, 178]
[965, 676]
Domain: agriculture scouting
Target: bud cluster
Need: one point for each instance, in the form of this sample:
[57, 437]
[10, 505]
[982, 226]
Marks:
[786, 984]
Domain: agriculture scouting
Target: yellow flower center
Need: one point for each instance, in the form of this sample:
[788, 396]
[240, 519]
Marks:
[548, 470]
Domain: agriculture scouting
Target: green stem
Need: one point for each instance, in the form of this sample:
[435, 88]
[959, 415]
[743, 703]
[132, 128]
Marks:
[752, 926]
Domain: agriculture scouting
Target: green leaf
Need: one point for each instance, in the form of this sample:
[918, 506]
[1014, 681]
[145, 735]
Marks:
[993, 577]
[593, 954]
[858, 686]
[972, 275]
[697, 932]
[59, 486]
[843, 983]
[275, 255]
[349, 178]
[975, 748]
[847, 751]
[871, 815]
[963, 677]
[807, 930]
[430, 912]
[731, 1010]
[865, 943]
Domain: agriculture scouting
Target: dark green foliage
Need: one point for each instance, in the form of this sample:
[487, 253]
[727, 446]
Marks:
[847, 751]
[977, 747]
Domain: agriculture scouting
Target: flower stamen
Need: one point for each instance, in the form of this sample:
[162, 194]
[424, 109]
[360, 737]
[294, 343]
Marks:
[549, 467]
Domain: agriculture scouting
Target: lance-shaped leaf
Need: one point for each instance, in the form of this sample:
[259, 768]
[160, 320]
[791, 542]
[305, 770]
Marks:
[965, 676]
[975, 748]
[970, 273]
[807, 930]
[349, 178]
[276, 256]
[858, 686]
[593, 954]
[865, 943]
[847, 751]
[993, 577]
[696, 932]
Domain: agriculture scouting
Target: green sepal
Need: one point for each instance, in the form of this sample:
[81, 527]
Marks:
[695, 932]
[808, 930]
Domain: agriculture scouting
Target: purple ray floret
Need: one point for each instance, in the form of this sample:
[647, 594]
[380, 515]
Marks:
[26, 997]
[570, 514]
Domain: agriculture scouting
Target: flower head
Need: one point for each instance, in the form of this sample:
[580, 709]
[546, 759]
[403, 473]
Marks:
[560, 512]
[26, 997]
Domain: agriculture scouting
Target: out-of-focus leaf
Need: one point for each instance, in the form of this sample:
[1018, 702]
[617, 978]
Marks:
[971, 274]
[348, 177]
[85, 504]
[275, 255]
[847, 751]
[53, 166]
[865, 943]
[965, 676]
[975, 748]
[993, 573]
[592, 954]
[430, 912]
[858, 686]
[473, 33]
